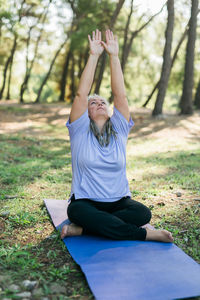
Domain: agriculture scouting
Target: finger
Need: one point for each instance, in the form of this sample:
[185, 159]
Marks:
[100, 35]
[116, 38]
[93, 35]
[97, 34]
[111, 35]
[89, 38]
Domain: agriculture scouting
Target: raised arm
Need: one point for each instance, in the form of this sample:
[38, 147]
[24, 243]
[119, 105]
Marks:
[80, 103]
[117, 79]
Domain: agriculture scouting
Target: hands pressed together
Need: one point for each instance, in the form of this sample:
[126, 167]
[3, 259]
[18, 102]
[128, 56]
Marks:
[97, 46]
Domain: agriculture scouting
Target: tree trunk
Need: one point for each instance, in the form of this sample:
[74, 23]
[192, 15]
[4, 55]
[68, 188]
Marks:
[104, 56]
[128, 44]
[172, 63]
[152, 93]
[126, 37]
[29, 66]
[64, 75]
[186, 98]
[80, 60]
[72, 85]
[197, 97]
[9, 80]
[49, 72]
[166, 67]
[9, 60]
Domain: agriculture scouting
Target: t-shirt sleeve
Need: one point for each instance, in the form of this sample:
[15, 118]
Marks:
[79, 125]
[120, 124]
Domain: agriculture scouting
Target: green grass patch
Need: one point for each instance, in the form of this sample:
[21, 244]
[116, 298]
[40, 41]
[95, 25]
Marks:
[37, 165]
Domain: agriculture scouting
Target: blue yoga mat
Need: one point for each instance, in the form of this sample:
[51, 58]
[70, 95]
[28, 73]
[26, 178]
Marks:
[130, 270]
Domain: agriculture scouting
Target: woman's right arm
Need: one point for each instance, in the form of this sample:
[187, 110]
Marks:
[80, 103]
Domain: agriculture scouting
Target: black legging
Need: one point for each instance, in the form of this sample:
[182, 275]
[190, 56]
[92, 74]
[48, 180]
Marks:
[119, 220]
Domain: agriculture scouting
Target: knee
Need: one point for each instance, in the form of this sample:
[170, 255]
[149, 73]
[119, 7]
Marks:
[73, 211]
[147, 215]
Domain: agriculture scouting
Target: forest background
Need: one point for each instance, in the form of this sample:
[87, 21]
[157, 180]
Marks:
[44, 49]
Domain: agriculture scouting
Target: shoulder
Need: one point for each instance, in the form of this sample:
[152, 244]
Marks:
[79, 125]
[120, 123]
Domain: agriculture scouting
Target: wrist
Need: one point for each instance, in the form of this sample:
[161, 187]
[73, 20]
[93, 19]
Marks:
[94, 55]
[114, 55]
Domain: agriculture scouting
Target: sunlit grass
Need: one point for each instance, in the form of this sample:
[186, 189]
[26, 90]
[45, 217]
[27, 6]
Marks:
[163, 169]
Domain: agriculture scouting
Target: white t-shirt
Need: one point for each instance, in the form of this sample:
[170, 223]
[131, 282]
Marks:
[99, 173]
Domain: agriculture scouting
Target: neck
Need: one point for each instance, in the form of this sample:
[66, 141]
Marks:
[100, 122]
[102, 131]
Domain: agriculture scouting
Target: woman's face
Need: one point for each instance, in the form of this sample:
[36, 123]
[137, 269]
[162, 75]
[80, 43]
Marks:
[98, 108]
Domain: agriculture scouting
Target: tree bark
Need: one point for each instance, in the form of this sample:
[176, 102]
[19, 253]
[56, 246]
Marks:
[49, 72]
[172, 63]
[166, 67]
[186, 98]
[9, 80]
[64, 76]
[9, 60]
[151, 94]
[72, 85]
[27, 74]
[197, 96]
[126, 36]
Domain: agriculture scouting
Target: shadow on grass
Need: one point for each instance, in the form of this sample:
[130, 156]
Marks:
[146, 125]
[58, 113]
[24, 160]
[180, 167]
[19, 114]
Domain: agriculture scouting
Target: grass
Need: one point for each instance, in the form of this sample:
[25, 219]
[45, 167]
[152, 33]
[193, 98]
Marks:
[163, 173]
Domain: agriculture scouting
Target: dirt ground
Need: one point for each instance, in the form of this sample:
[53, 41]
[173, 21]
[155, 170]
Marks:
[168, 126]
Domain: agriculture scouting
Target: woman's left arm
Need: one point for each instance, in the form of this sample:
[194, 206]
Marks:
[117, 78]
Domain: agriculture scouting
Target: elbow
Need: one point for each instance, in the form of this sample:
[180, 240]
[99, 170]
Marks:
[81, 94]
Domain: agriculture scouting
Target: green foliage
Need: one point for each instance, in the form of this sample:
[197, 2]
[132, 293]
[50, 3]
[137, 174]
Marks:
[22, 219]
[144, 61]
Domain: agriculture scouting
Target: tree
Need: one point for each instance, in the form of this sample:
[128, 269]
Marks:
[197, 96]
[49, 71]
[14, 18]
[129, 35]
[172, 63]
[166, 67]
[186, 98]
[39, 20]
[79, 29]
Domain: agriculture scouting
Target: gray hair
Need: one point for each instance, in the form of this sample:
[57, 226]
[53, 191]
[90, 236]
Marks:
[96, 96]
[104, 136]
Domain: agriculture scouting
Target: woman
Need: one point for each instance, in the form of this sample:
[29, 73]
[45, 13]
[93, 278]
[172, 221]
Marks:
[100, 196]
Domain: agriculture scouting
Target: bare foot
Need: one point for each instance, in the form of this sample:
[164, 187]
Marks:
[71, 230]
[159, 235]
